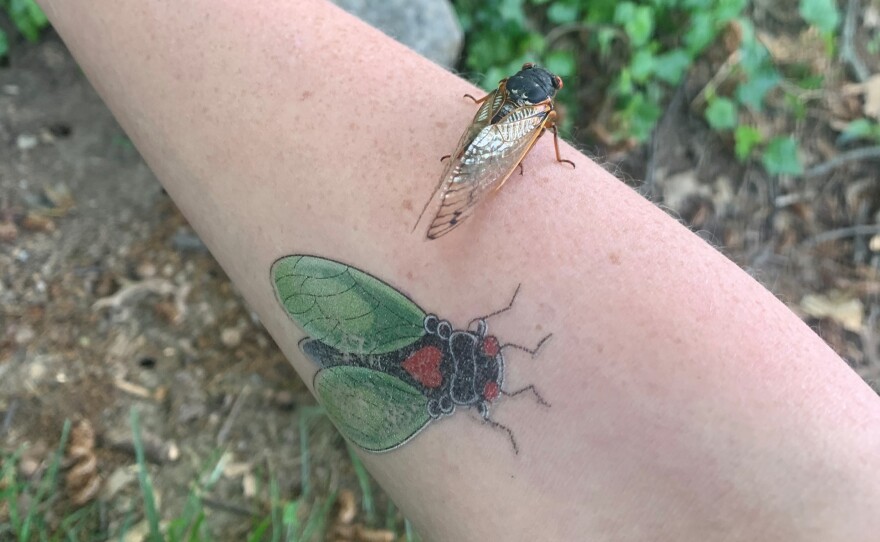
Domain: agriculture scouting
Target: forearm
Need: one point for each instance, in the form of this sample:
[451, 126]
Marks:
[686, 402]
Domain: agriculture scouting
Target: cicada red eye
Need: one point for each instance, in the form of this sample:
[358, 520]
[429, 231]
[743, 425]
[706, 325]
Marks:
[557, 82]
[490, 346]
[491, 391]
[528, 65]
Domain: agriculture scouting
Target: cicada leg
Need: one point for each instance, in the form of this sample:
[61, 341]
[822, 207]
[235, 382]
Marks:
[552, 126]
[476, 101]
[532, 389]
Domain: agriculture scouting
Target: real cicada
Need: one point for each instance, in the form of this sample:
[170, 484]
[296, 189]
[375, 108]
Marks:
[507, 125]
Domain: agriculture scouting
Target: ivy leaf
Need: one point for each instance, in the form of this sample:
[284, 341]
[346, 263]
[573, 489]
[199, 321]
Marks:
[671, 66]
[751, 92]
[700, 33]
[746, 138]
[642, 65]
[781, 157]
[860, 129]
[561, 63]
[561, 13]
[823, 14]
[637, 21]
[722, 114]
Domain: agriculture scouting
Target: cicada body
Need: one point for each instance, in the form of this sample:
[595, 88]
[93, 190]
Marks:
[507, 125]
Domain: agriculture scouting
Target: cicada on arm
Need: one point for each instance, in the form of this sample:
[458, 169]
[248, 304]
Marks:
[507, 125]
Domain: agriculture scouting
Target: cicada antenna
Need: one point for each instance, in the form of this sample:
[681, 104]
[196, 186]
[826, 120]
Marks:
[532, 351]
[499, 311]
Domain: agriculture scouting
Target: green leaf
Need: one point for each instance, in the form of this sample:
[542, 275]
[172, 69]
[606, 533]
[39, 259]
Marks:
[860, 129]
[781, 157]
[642, 65]
[637, 21]
[727, 10]
[671, 66]
[4, 44]
[746, 138]
[721, 114]
[344, 307]
[374, 410]
[752, 91]
[823, 14]
[640, 116]
[561, 63]
[561, 13]
[700, 33]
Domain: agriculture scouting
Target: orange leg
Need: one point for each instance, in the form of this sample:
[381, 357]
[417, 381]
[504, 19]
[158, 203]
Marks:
[552, 127]
[476, 101]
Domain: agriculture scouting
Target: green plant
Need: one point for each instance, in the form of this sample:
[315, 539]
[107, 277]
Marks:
[648, 44]
[637, 51]
[28, 19]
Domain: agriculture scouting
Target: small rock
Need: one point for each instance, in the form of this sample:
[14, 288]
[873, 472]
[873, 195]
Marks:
[230, 337]
[26, 142]
[146, 270]
[11, 90]
[35, 222]
[284, 399]
[430, 27]
[24, 335]
[8, 231]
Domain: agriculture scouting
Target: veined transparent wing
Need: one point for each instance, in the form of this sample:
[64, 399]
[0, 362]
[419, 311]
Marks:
[486, 157]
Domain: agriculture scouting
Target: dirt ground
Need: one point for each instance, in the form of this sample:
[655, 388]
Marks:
[109, 301]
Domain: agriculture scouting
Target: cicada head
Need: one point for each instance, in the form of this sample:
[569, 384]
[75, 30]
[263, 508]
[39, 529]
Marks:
[533, 85]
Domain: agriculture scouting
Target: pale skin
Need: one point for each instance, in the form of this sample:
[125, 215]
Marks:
[687, 402]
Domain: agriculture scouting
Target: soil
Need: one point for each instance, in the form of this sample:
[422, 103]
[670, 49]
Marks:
[109, 302]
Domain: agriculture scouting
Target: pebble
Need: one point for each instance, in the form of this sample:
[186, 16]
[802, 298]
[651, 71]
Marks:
[146, 270]
[26, 142]
[230, 337]
[285, 399]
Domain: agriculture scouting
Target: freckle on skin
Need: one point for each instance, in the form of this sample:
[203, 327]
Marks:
[409, 275]
[614, 257]
[407, 205]
[306, 95]
[441, 124]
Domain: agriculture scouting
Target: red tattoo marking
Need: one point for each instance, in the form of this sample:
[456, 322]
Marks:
[490, 392]
[424, 366]
[491, 346]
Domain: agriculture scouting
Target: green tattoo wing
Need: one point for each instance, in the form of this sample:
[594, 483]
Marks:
[344, 307]
[376, 411]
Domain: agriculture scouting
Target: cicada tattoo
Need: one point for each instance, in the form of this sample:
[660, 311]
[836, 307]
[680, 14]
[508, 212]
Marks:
[507, 125]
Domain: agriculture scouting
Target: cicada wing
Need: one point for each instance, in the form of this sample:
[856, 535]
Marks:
[344, 307]
[374, 410]
[485, 163]
[491, 106]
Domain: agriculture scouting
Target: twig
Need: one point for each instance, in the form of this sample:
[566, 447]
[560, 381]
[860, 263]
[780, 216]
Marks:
[843, 233]
[228, 508]
[131, 289]
[848, 53]
[155, 449]
[10, 415]
[869, 336]
[223, 434]
[720, 76]
[865, 153]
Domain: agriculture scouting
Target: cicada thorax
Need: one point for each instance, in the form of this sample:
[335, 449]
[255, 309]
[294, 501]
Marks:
[472, 367]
